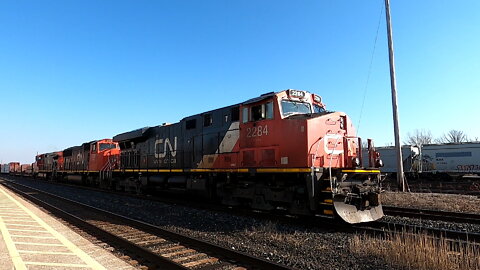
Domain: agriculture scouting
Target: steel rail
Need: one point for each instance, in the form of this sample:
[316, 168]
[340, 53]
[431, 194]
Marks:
[381, 227]
[167, 198]
[153, 258]
[432, 214]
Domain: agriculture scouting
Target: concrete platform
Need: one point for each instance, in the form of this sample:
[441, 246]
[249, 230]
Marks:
[31, 239]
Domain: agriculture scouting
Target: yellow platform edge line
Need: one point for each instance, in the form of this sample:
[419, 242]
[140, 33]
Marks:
[26, 230]
[39, 244]
[17, 261]
[58, 264]
[32, 236]
[45, 252]
[80, 253]
[21, 225]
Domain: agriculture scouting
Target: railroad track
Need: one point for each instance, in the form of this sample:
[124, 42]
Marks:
[388, 210]
[378, 227]
[153, 247]
[383, 228]
[432, 214]
[192, 202]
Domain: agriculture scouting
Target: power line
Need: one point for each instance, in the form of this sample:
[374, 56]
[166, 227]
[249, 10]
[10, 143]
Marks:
[370, 67]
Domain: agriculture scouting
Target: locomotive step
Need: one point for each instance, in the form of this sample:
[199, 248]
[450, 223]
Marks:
[328, 212]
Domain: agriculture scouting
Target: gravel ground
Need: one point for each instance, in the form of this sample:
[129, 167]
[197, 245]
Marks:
[434, 201]
[300, 247]
[436, 224]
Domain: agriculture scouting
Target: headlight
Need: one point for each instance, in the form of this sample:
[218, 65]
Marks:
[356, 162]
[378, 163]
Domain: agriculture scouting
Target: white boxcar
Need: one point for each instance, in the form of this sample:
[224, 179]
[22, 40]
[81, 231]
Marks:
[5, 169]
[455, 159]
[388, 154]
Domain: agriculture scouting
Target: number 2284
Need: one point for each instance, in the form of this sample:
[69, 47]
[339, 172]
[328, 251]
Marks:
[257, 131]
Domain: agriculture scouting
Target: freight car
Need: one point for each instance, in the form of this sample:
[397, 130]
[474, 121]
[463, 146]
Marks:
[433, 161]
[455, 160]
[5, 169]
[410, 156]
[18, 169]
[278, 151]
[14, 167]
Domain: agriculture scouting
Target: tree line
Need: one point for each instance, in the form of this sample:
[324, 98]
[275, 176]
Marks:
[421, 137]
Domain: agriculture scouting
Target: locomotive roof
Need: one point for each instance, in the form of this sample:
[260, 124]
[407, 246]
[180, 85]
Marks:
[141, 132]
[260, 98]
[130, 134]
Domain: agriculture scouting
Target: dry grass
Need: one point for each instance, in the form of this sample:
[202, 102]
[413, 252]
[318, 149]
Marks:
[418, 251]
[435, 201]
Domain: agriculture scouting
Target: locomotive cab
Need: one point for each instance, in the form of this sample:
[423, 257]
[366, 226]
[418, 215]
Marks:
[101, 154]
[291, 131]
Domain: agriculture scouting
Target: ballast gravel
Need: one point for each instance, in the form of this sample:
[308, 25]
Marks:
[300, 247]
[433, 201]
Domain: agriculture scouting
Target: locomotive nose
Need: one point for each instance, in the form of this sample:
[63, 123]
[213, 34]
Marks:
[352, 213]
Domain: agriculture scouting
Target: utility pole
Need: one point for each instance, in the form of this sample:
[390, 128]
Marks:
[393, 84]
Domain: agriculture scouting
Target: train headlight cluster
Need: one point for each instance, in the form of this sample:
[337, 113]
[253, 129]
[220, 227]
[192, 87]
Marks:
[356, 162]
[378, 163]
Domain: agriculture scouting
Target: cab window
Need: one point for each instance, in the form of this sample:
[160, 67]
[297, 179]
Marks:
[293, 107]
[106, 146]
[258, 112]
[318, 109]
[245, 115]
[269, 110]
[207, 120]
[261, 112]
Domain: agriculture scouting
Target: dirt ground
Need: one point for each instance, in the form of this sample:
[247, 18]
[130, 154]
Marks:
[435, 201]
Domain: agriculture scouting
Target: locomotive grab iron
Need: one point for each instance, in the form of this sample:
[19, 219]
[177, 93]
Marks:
[279, 151]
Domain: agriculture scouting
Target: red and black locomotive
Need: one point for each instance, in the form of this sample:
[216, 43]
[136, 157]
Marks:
[281, 150]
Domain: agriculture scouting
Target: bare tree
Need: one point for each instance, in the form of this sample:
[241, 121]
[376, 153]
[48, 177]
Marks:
[453, 136]
[419, 137]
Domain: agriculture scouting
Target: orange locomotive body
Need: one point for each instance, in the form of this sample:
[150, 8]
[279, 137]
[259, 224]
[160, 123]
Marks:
[292, 129]
[83, 163]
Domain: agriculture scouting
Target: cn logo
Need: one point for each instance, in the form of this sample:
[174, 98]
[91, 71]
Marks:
[166, 144]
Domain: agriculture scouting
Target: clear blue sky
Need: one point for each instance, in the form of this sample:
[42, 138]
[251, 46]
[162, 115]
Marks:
[75, 71]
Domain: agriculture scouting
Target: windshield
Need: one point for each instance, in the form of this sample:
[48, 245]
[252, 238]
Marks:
[318, 109]
[105, 146]
[292, 107]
